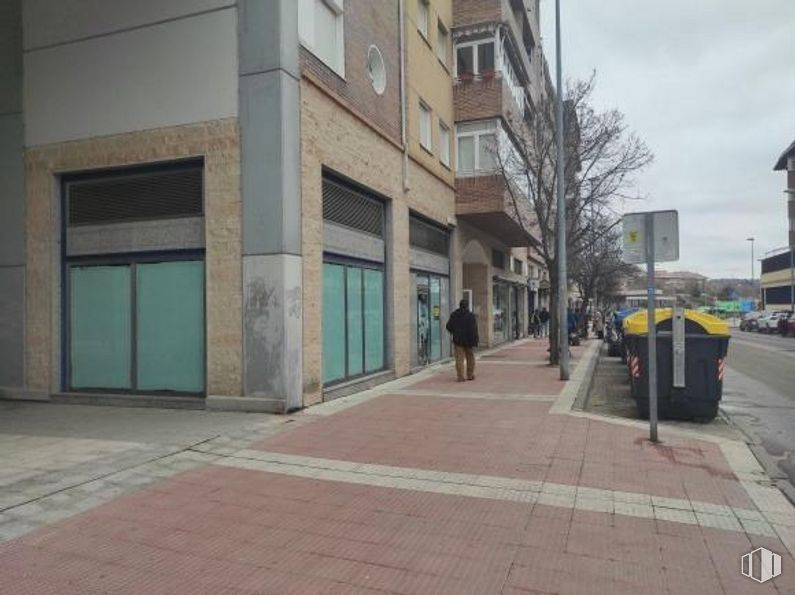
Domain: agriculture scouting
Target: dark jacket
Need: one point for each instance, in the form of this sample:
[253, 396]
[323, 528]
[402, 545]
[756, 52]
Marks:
[543, 316]
[572, 320]
[464, 327]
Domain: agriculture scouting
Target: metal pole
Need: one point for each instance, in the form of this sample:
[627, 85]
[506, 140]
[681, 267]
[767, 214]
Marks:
[792, 278]
[753, 291]
[563, 298]
[652, 326]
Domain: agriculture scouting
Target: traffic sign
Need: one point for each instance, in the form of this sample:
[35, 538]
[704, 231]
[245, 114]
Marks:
[652, 237]
[666, 236]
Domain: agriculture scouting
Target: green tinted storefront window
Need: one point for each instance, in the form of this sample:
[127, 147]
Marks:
[333, 322]
[100, 327]
[353, 321]
[373, 320]
[170, 332]
[137, 326]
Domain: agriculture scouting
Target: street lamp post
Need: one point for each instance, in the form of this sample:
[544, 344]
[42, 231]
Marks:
[563, 334]
[753, 291]
[792, 278]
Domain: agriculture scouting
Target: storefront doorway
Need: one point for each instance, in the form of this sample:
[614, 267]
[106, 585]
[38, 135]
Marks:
[500, 312]
[429, 319]
[516, 324]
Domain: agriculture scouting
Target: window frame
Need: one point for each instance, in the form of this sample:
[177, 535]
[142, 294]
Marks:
[444, 147]
[474, 44]
[425, 110]
[423, 18]
[131, 260]
[361, 265]
[490, 128]
[443, 53]
[306, 27]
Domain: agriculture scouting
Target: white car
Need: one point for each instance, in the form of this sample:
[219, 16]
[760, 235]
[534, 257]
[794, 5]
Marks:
[769, 322]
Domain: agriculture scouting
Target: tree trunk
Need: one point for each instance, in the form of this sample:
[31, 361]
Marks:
[586, 298]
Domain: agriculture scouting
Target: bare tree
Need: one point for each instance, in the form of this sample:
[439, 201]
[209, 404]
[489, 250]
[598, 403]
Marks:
[602, 158]
[597, 267]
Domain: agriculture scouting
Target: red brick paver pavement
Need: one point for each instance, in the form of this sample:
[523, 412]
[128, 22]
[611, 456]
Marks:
[220, 529]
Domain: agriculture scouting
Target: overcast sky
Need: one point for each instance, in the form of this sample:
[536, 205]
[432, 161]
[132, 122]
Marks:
[710, 86]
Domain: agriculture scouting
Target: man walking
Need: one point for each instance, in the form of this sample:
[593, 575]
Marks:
[464, 328]
[535, 324]
[543, 316]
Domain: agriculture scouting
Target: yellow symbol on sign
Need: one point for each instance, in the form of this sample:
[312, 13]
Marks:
[633, 236]
[436, 312]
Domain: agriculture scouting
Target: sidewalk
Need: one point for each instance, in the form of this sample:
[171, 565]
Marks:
[424, 485]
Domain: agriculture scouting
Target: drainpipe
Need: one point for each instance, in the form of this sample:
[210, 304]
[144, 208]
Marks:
[403, 130]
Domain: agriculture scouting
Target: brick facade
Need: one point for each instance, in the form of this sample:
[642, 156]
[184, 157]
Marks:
[481, 194]
[218, 143]
[482, 99]
[341, 141]
[478, 99]
[487, 196]
[470, 12]
[367, 22]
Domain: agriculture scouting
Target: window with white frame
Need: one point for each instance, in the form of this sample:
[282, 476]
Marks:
[425, 126]
[505, 66]
[477, 147]
[444, 144]
[442, 43]
[475, 57]
[321, 29]
[423, 17]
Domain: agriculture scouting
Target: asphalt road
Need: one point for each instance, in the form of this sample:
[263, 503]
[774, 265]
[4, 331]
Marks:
[759, 397]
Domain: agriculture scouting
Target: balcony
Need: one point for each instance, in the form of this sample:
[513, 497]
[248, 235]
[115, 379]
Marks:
[473, 17]
[485, 96]
[485, 202]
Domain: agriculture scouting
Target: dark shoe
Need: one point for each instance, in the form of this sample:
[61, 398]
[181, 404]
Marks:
[471, 378]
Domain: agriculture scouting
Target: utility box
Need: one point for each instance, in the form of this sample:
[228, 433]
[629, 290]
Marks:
[697, 395]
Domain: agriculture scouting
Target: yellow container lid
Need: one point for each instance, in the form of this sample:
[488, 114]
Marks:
[636, 324]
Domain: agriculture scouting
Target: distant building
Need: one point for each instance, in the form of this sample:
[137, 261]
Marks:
[787, 162]
[671, 286]
[674, 282]
[777, 273]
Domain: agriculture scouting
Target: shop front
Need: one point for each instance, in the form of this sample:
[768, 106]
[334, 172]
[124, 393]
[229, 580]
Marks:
[508, 314]
[354, 323]
[430, 291]
[134, 281]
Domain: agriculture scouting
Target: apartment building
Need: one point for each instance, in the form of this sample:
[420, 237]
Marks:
[499, 78]
[231, 204]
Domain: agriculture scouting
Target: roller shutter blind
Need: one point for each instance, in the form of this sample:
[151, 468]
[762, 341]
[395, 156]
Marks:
[428, 237]
[162, 193]
[348, 206]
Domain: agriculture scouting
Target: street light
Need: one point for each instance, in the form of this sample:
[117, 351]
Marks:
[753, 291]
[563, 334]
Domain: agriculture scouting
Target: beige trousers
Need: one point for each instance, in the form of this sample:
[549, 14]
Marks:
[463, 354]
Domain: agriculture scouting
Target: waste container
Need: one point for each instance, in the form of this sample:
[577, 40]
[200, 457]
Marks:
[706, 345]
[616, 338]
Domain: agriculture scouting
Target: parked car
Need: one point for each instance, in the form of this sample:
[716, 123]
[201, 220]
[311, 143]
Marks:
[749, 320]
[769, 322]
[791, 325]
[783, 320]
